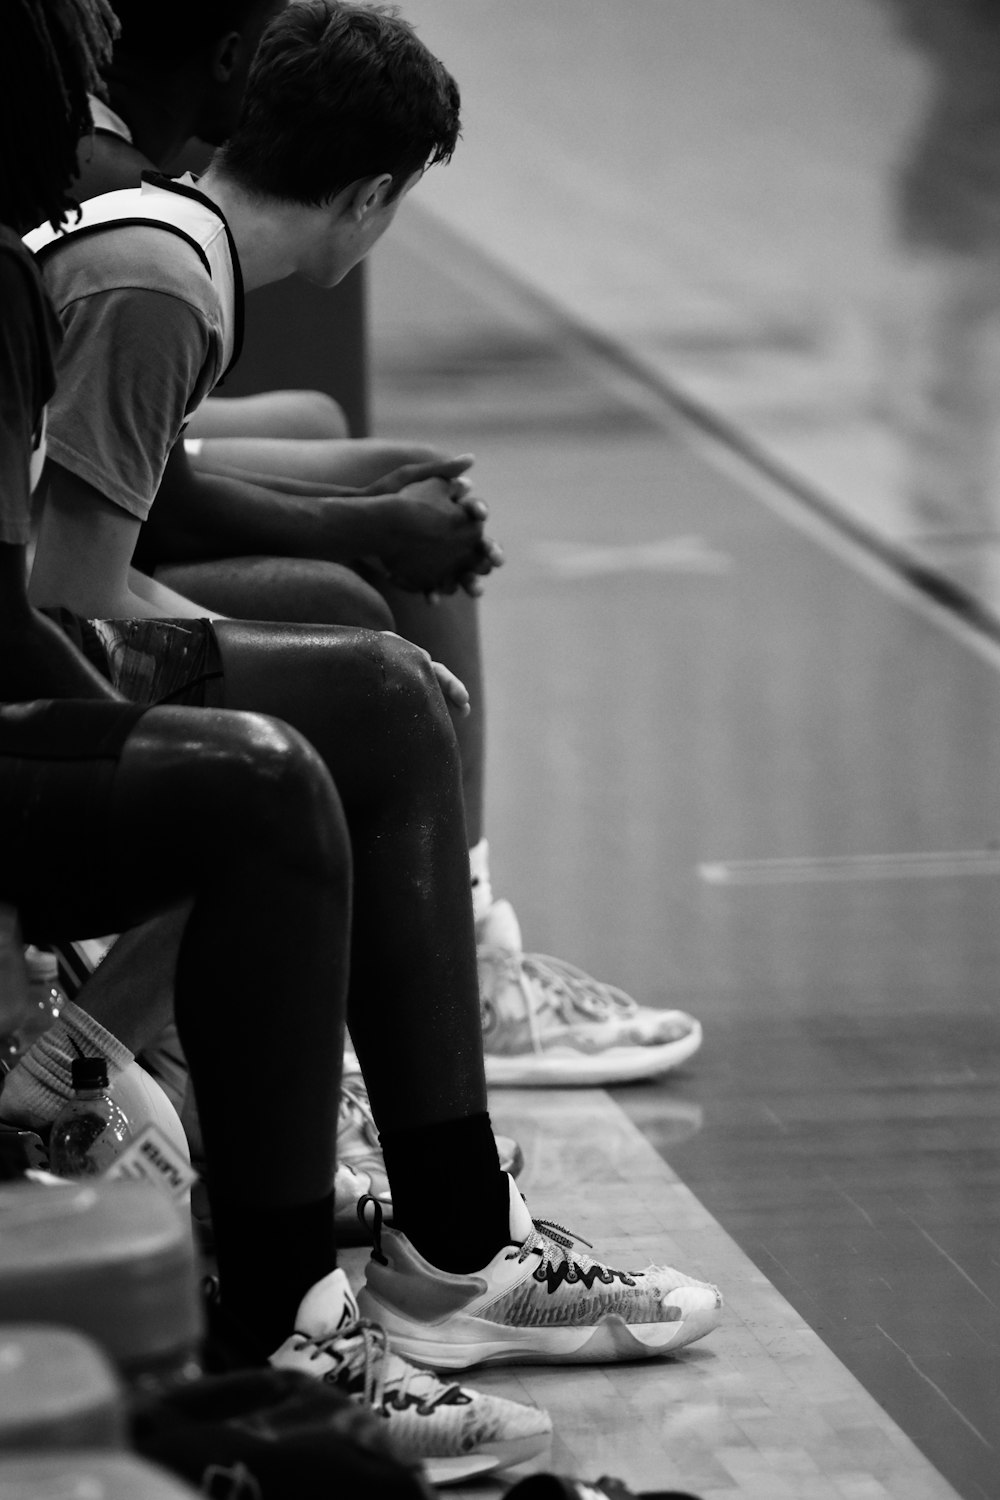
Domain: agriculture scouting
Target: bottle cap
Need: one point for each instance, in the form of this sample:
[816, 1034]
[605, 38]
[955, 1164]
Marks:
[89, 1073]
[41, 963]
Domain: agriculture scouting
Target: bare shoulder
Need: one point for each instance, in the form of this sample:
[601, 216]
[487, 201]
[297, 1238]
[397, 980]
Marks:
[107, 163]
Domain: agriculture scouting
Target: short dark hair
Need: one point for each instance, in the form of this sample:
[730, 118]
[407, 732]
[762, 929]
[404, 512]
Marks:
[51, 58]
[168, 32]
[336, 93]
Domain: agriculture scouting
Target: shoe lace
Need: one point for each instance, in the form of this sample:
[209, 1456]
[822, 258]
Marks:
[567, 990]
[554, 1243]
[354, 1104]
[385, 1378]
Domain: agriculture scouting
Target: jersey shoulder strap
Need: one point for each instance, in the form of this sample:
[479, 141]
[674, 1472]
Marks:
[105, 121]
[178, 208]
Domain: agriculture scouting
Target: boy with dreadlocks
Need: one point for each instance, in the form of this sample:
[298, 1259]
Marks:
[345, 108]
[110, 811]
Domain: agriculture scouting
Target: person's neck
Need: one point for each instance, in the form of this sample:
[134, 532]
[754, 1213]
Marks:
[264, 231]
[160, 112]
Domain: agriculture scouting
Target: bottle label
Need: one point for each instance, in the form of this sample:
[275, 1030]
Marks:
[151, 1157]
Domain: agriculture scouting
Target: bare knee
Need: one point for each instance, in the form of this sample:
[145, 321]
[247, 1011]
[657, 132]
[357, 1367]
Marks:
[267, 783]
[412, 699]
[319, 416]
[361, 605]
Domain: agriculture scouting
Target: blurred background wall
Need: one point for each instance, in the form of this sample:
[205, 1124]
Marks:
[790, 209]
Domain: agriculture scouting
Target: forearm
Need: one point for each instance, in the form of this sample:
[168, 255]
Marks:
[223, 516]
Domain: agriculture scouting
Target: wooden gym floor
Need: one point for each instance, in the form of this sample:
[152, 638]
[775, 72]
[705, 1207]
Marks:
[736, 766]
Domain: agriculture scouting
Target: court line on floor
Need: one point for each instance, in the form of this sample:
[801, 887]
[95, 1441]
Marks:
[721, 443]
[804, 870]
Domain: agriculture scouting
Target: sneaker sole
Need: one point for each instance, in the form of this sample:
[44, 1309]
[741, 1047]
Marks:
[476, 1342]
[490, 1458]
[579, 1069]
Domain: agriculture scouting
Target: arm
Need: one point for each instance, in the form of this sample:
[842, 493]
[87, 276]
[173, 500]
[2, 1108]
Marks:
[84, 553]
[198, 516]
[421, 536]
[36, 659]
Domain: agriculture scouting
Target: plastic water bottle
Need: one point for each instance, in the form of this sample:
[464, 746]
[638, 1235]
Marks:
[13, 987]
[45, 995]
[91, 1129]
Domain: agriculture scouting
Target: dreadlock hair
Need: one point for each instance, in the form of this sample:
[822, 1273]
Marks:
[51, 58]
[338, 92]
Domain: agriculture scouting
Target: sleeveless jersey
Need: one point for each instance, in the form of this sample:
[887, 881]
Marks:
[196, 229]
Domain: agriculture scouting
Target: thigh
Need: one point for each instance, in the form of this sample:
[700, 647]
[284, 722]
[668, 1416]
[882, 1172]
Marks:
[367, 701]
[110, 813]
[58, 763]
[300, 589]
[347, 461]
[278, 414]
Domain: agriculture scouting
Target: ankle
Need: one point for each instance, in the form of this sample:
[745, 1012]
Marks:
[458, 1231]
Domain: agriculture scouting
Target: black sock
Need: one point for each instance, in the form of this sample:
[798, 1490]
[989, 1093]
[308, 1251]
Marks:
[268, 1258]
[462, 1225]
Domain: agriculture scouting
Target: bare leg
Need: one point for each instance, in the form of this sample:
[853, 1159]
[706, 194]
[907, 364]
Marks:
[370, 705]
[303, 590]
[278, 414]
[238, 813]
[351, 461]
[449, 631]
[131, 993]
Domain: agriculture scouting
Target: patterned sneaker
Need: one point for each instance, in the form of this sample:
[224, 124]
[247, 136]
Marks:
[361, 1166]
[537, 1301]
[547, 1024]
[457, 1433]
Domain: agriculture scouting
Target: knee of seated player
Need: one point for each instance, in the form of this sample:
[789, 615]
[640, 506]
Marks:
[254, 786]
[331, 594]
[289, 798]
[318, 415]
[413, 701]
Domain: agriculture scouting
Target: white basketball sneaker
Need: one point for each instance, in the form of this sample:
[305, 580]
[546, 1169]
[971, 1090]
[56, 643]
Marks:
[548, 1024]
[455, 1432]
[538, 1301]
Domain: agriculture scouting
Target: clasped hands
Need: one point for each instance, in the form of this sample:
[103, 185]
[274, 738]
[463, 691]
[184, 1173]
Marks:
[436, 541]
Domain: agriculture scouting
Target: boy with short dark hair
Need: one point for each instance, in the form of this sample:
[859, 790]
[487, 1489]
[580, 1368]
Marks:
[247, 526]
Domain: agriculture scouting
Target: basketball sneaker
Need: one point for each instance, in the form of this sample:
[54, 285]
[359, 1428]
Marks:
[548, 1024]
[456, 1432]
[538, 1301]
[361, 1166]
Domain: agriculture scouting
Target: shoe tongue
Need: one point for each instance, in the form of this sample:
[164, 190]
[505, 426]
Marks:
[520, 1219]
[327, 1308]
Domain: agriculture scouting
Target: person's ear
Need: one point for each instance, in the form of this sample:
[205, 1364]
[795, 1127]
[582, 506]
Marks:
[225, 56]
[368, 195]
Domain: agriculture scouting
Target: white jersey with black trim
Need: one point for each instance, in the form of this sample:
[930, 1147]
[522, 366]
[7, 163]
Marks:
[180, 209]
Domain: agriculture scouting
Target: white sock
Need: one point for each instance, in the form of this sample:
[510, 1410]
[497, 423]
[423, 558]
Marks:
[36, 1090]
[479, 869]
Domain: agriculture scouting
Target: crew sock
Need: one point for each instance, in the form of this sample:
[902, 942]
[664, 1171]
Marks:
[479, 869]
[462, 1227]
[38, 1087]
[268, 1257]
